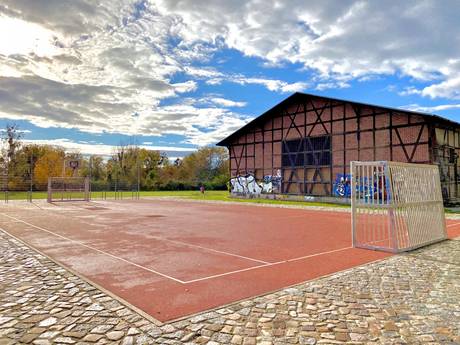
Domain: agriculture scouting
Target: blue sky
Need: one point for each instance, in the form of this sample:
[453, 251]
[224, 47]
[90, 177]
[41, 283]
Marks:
[177, 75]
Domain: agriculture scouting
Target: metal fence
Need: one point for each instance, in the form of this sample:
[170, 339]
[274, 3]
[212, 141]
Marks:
[396, 206]
[117, 189]
[19, 188]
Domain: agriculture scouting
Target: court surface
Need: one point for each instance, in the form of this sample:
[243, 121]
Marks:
[175, 258]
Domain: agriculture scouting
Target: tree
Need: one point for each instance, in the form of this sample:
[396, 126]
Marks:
[49, 164]
[12, 141]
[95, 168]
[208, 165]
[130, 165]
[205, 165]
[14, 166]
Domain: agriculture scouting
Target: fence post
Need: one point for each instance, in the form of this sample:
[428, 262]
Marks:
[90, 174]
[87, 189]
[31, 177]
[353, 203]
[138, 179]
[49, 190]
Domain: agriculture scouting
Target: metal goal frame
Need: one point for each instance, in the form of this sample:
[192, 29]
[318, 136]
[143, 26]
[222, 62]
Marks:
[396, 206]
[68, 189]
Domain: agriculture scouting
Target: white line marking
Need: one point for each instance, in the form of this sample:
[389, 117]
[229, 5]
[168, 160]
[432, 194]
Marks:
[173, 241]
[317, 254]
[228, 273]
[97, 250]
[209, 249]
[266, 265]
[448, 226]
[10, 222]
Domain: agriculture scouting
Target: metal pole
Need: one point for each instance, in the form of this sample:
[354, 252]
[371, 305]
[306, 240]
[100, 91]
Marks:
[31, 177]
[90, 174]
[116, 185]
[87, 189]
[353, 202]
[49, 189]
[138, 179]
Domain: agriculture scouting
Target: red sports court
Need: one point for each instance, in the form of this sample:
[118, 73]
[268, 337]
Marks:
[175, 258]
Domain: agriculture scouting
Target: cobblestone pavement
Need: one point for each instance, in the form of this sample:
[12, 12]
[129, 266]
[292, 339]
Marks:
[406, 299]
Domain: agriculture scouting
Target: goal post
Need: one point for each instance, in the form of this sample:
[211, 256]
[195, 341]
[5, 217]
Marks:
[68, 189]
[396, 206]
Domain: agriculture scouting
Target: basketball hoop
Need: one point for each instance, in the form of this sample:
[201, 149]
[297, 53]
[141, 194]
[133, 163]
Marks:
[74, 164]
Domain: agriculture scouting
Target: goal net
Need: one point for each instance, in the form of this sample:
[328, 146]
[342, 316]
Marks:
[396, 206]
[68, 189]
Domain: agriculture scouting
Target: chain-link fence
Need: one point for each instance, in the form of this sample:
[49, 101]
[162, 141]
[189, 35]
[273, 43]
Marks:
[20, 188]
[116, 181]
[25, 170]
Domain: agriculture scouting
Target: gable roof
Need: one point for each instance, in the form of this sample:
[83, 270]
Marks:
[299, 96]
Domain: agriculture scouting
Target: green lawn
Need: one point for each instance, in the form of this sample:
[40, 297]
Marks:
[225, 196]
[194, 195]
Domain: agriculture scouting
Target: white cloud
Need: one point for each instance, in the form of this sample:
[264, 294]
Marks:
[431, 109]
[270, 84]
[340, 40]
[105, 150]
[227, 102]
[202, 72]
[410, 90]
[187, 86]
[449, 88]
[110, 67]
[332, 85]
[21, 37]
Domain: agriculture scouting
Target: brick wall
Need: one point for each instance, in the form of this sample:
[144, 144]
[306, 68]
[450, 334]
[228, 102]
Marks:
[357, 132]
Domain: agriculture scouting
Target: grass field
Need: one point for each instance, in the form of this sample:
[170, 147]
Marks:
[194, 195]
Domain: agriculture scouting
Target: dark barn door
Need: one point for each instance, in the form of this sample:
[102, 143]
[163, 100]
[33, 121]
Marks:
[306, 165]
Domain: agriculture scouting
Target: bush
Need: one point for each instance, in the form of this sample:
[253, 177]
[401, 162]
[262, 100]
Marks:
[99, 186]
[180, 185]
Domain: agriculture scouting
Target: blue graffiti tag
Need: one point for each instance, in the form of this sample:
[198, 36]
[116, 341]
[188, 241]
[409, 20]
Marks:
[342, 185]
[366, 189]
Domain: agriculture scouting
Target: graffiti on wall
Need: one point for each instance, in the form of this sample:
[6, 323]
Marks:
[272, 183]
[369, 189]
[374, 188]
[342, 185]
[248, 184]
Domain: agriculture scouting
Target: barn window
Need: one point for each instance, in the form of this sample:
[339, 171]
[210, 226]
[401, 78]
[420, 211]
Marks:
[293, 153]
[309, 151]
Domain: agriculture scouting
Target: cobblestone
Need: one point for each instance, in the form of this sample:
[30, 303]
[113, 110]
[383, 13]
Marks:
[406, 299]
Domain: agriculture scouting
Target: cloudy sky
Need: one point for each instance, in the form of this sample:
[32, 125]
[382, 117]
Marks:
[176, 75]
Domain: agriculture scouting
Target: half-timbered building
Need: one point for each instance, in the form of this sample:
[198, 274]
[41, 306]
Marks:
[309, 141]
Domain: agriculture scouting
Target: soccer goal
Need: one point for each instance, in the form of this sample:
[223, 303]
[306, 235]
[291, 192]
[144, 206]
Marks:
[396, 206]
[68, 189]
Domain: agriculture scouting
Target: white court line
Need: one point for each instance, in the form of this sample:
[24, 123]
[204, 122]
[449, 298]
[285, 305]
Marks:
[82, 220]
[266, 265]
[97, 250]
[448, 226]
[169, 277]
[209, 249]
[11, 222]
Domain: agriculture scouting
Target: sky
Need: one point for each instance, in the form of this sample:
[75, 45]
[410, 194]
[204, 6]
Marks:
[177, 75]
